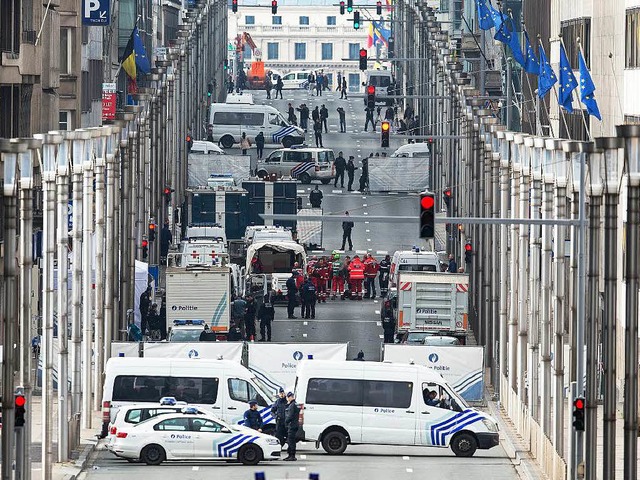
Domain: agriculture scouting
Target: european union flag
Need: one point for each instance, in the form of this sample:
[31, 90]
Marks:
[485, 20]
[531, 64]
[587, 88]
[142, 61]
[497, 16]
[510, 37]
[546, 78]
[568, 82]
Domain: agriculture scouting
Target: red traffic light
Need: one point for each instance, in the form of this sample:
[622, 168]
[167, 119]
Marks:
[363, 52]
[579, 403]
[145, 243]
[427, 202]
[20, 401]
[152, 226]
[167, 191]
[447, 192]
[371, 90]
[468, 247]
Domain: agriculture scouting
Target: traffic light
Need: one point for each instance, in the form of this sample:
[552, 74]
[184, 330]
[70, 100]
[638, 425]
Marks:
[152, 231]
[385, 129]
[189, 141]
[234, 6]
[349, 6]
[274, 7]
[356, 21]
[468, 252]
[578, 413]
[371, 96]
[225, 64]
[20, 402]
[363, 58]
[378, 7]
[447, 197]
[209, 89]
[145, 249]
[427, 215]
[167, 196]
[342, 8]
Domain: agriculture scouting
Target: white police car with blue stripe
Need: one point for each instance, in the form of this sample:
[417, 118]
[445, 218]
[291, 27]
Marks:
[189, 435]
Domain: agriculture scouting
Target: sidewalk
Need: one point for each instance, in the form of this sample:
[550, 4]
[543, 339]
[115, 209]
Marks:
[67, 470]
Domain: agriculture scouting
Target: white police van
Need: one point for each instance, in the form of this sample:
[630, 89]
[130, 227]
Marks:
[387, 403]
[228, 121]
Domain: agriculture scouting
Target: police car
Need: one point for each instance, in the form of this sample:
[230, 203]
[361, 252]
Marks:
[186, 331]
[189, 435]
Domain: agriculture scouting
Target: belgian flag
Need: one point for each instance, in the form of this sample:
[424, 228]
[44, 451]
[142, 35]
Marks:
[135, 59]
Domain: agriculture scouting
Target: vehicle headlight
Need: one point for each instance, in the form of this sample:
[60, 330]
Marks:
[491, 426]
[273, 441]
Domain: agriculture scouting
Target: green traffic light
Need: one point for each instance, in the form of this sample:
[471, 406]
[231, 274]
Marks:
[349, 9]
[356, 25]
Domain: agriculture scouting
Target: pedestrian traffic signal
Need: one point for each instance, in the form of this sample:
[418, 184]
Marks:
[371, 97]
[446, 195]
[189, 140]
[378, 7]
[363, 59]
[274, 7]
[385, 129]
[349, 6]
[145, 249]
[468, 252]
[427, 215]
[356, 22]
[209, 89]
[578, 413]
[342, 8]
[225, 64]
[20, 402]
[234, 6]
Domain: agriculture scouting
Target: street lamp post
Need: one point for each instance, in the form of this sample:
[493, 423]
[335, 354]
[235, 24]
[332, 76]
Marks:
[505, 280]
[514, 261]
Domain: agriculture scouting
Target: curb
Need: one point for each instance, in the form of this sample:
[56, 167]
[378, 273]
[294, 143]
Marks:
[80, 464]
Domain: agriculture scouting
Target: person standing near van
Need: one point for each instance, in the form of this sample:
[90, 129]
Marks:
[317, 129]
[371, 268]
[383, 278]
[279, 85]
[351, 171]
[291, 114]
[260, 144]
[309, 298]
[266, 313]
[339, 164]
[356, 277]
[315, 115]
[304, 116]
[250, 319]
[291, 423]
[145, 307]
[324, 114]
[278, 410]
[238, 307]
[268, 86]
[292, 289]
[245, 143]
[252, 417]
[315, 198]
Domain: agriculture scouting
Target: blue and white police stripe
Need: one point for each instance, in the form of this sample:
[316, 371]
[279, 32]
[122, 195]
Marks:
[283, 132]
[301, 168]
[266, 379]
[215, 320]
[470, 386]
[452, 424]
[229, 447]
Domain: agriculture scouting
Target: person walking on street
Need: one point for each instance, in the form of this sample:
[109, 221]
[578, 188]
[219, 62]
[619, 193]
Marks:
[304, 116]
[315, 115]
[260, 144]
[252, 417]
[245, 143]
[343, 120]
[315, 198]
[389, 114]
[339, 82]
[343, 89]
[291, 423]
[291, 114]
[319, 83]
[292, 290]
[250, 319]
[371, 268]
[317, 129]
[324, 114]
[266, 315]
[339, 164]
[383, 278]
[347, 226]
[364, 177]
[325, 82]
[279, 85]
[369, 119]
[278, 410]
[268, 86]
[351, 171]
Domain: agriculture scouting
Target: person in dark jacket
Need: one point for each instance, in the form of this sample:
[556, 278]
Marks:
[252, 417]
[343, 88]
[369, 119]
[165, 239]
[260, 144]
[292, 114]
[315, 198]
[315, 115]
[266, 315]
[347, 226]
[340, 165]
[360, 357]
[250, 318]
[278, 411]
[364, 177]
[304, 116]
[292, 290]
[351, 171]
[145, 307]
[207, 335]
[343, 120]
[324, 114]
[279, 85]
[383, 278]
[317, 129]
[309, 298]
[453, 265]
[291, 423]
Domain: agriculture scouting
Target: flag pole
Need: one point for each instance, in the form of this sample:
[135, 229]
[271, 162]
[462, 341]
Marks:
[562, 113]
[584, 120]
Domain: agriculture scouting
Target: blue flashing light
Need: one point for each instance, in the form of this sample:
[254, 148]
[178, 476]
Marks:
[177, 323]
[168, 401]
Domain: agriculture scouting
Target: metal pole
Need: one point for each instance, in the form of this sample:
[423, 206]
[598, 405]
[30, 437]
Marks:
[559, 317]
[523, 372]
[509, 93]
[505, 279]
[534, 278]
[514, 261]
[546, 296]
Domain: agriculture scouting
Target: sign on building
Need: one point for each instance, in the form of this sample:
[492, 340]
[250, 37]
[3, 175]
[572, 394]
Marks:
[108, 101]
[96, 12]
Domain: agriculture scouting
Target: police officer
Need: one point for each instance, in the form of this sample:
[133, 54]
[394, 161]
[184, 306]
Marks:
[315, 198]
[291, 424]
[252, 417]
[278, 411]
[266, 314]
[388, 324]
[383, 279]
[292, 289]
[309, 298]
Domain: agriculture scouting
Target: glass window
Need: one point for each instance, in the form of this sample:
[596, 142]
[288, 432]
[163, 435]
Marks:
[276, 20]
[300, 51]
[304, 20]
[272, 51]
[66, 51]
[202, 425]
[354, 51]
[333, 391]
[64, 120]
[417, 268]
[143, 388]
[247, 52]
[379, 80]
[325, 157]
[238, 118]
[327, 51]
[387, 394]
[173, 424]
[331, 20]
[243, 391]
[297, 157]
[249, 20]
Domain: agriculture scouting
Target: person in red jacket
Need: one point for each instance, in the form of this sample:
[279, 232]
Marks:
[371, 268]
[322, 271]
[356, 277]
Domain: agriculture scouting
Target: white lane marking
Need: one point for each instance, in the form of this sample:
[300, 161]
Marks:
[302, 191]
[364, 205]
[304, 335]
[367, 231]
[378, 324]
[375, 301]
[377, 312]
[303, 469]
[366, 223]
[365, 213]
[368, 239]
[364, 198]
[406, 457]
[336, 191]
[393, 193]
[307, 323]
[195, 469]
[381, 252]
[409, 470]
[303, 457]
[381, 336]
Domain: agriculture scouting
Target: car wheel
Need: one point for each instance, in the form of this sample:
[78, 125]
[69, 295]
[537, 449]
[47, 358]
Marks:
[305, 178]
[464, 445]
[334, 443]
[153, 454]
[325, 181]
[250, 454]
[262, 174]
[227, 141]
[287, 142]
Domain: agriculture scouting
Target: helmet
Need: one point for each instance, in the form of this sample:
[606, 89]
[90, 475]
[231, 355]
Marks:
[335, 255]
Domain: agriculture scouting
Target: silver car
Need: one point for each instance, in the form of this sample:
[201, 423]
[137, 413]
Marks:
[304, 164]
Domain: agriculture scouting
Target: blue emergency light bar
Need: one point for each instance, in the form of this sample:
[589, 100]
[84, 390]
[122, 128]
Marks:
[188, 322]
[168, 401]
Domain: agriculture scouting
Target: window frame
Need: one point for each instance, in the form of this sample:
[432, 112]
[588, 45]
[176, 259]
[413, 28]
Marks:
[322, 51]
[303, 20]
[66, 36]
[330, 19]
[303, 47]
[276, 20]
[275, 45]
[354, 51]
[249, 19]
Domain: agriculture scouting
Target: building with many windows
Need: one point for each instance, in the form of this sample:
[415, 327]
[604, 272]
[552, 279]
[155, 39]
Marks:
[302, 38]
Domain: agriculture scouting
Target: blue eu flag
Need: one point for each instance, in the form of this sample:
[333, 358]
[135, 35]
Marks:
[587, 88]
[485, 20]
[546, 78]
[568, 82]
[531, 64]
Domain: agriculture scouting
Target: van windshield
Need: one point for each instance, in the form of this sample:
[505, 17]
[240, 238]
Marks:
[405, 267]
[148, 388]
[380, 80]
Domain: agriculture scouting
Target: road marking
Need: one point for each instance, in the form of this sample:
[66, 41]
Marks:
[303, 457]
[378, 324]
[375, 301]
[368, 239]
[381, 336]
[367, 231]
[336, 191]
[364, 198]
[393, 193]
[409, 470]
[365, 213]
[303, 469]
[377, 312]
[195, 469]
[406, 457]
[302, 191]
[304, 335]
[305, 323]
[366, 223]
[364, 205]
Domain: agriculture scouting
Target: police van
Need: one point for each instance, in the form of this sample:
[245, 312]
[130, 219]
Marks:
[302, 163]
[219, 387]
[387, 403]
[229, 120]
[413, 260]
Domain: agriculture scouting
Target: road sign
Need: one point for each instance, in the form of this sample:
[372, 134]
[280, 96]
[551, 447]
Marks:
[96, 12]
[108, 101]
